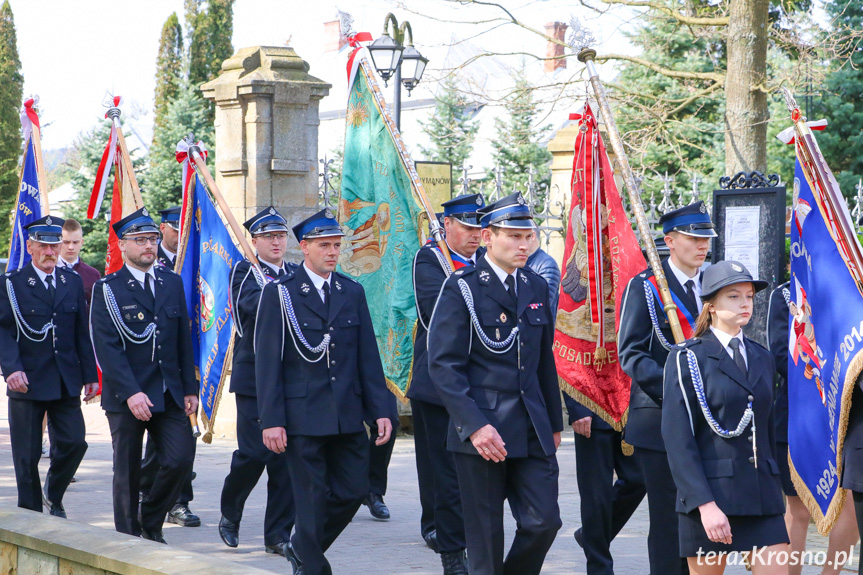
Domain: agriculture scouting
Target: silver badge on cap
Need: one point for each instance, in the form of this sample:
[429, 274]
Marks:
[48, 220]
[520, 200]
[145, 212]
[736, 268]
[479, 200]
[328, 214]
[703, 209]
[272, 211]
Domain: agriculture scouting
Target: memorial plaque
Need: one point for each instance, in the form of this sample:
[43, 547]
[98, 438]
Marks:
[750, 223]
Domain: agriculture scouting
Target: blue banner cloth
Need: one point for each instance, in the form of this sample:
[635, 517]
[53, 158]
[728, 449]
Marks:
[825, 352]
[28, 209]
[208, 255]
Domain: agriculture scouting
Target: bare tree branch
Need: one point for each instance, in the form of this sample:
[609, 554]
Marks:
[668, 72]
[682, 18]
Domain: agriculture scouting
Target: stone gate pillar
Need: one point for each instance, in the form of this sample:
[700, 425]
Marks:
[267, 133]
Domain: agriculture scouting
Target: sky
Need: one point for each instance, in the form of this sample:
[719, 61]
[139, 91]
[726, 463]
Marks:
[73, 53]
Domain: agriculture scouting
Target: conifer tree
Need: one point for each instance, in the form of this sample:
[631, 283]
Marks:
[517, 146]
[11, 96]
[450, 128]
[169, 72]
[210, 43]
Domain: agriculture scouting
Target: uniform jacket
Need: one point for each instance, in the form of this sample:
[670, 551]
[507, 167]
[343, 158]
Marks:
[138, 367]
[545, 266]
[642, 358]
[479, 387]
[429, 278]
[65, 356]
[245, 296]
[89, 275]
[164, 260]
[705, 466]
[319, 398]
[777, 341]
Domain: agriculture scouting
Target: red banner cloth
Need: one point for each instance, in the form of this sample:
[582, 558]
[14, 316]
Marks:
[601, 254]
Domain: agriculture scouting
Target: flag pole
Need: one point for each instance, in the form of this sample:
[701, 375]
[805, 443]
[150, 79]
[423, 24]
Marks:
[587, 55]
[114, 114]
[201, 167]
[36, 135]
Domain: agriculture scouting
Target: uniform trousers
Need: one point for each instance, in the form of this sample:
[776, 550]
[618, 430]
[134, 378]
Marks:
[175, 463]
[606, 504]
[67, 446]
[530, 484]
[663, 542]
[437, 473]
[329, 476]
[150, 466]
[379, 459]
[247, 465]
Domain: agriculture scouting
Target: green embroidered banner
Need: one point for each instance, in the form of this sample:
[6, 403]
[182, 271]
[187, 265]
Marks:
[380, 213]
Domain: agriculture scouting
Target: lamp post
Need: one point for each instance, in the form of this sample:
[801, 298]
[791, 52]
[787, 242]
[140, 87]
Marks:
[391, 57]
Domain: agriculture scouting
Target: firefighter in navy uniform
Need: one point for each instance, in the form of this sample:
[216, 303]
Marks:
[180, 512]
[438, 482]
[490, 357]
[43, 316]
[170, 230]
[642, 356]
[140, 330]
[270, 238]
[319, 378]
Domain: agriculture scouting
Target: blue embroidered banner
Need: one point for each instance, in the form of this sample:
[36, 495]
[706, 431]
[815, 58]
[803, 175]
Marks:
[207, 255]
[825, 352]
[28, 209]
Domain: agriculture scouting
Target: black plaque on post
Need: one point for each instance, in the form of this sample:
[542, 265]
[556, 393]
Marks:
[749, 214]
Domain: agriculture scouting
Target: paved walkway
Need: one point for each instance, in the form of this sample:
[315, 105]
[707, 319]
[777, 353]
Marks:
[366, 546]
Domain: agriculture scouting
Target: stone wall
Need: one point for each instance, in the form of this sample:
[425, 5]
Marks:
[37, 544]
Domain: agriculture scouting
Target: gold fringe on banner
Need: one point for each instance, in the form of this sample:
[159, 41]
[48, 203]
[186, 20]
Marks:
[825, 521]
[210, 423]
[593, 406]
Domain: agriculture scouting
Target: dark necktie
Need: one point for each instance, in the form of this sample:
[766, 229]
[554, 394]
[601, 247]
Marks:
[689, 300]
[326, 290]
[51, 290]
[734, 344]
[510, 283]
[147, 290]
[281, 272]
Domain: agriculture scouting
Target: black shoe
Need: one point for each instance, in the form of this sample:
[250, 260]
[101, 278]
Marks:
[454, 563]
[431, 540]
[55, 509]
[579, 537]
[377, 507]
[229, 532]
[73, 480]
[153, 536]
[294, 561]
[194, 475]
[183, 516]
[278, 548]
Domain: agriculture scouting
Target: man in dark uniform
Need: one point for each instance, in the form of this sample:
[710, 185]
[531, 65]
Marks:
[270, 238]
[140, 330]
[642, 356]
[170, 230]
[438, 482]
[490, 356]
[43, 316]
[319, 377]
[607, 502]
[180, 512]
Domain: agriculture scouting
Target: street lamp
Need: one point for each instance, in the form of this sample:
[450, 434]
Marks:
[391, 57]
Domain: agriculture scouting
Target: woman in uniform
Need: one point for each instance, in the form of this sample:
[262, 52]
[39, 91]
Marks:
[717, 422]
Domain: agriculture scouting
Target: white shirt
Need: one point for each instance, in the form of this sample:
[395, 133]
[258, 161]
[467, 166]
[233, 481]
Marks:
[472, 258]
[273, 267]
[42, 275]
[318, 281]
[725, 339]
[69, 265]
[502, 275]
[683, 278]
[171, 255]
[139, 275]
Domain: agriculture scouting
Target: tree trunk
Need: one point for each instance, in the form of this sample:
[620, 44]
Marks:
[746, 112]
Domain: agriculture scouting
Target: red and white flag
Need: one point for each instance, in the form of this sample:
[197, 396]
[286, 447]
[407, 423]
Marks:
[109, 158]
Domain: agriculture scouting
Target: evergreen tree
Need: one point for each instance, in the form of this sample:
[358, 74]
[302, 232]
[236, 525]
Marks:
[211, 42]
[88, 149]
[842, 103]
[186, 114]
[516, 146]
[11, 96]
[450, 128]
[169, 72]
